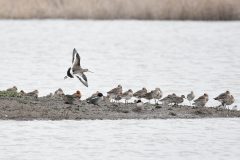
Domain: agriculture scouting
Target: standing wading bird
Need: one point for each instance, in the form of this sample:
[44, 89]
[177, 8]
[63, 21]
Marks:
[157, 94]
[76, 69]
[177, 100]
[190, 97]
[223, 98]
[127, 95]
[115, 93]
[201, 101]
[226, 99]
[149, 96]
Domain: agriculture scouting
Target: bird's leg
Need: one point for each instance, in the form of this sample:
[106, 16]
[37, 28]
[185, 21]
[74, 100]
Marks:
[228, 111]
[223, 104]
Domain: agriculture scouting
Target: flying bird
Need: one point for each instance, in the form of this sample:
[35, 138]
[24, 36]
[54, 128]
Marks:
[76, 69]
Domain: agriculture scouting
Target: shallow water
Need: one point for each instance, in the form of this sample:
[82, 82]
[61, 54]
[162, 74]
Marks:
[175, 56]
[121, 139]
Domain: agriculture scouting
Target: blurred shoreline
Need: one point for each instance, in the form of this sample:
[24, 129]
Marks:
[121, 9]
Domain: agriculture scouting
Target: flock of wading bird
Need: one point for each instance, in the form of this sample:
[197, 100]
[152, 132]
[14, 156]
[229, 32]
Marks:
[117, 94]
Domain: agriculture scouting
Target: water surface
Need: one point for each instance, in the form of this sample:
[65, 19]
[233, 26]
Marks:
[121, 139]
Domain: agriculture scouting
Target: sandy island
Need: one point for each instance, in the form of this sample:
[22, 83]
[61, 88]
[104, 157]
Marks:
[43, 108]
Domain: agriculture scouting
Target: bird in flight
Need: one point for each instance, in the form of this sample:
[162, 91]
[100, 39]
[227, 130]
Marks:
[76, 69]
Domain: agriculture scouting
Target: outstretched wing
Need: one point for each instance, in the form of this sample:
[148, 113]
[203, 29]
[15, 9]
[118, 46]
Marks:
[75, 58]
[83, 79]
[69, 73]
[73, 55]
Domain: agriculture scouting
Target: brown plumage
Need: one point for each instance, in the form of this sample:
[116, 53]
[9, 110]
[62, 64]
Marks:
[33, 94]
[223, 97]
[157, 94]
[141, 93]
[190, 97]
[115, 92]
[201, 101]
[168, 99]
[149, 95]
[177, 100]
[127, 95]
[13, 89]
[77, 95]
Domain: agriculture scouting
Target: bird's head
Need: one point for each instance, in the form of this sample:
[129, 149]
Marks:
[130, 91]
[78, 92]
[100, 95]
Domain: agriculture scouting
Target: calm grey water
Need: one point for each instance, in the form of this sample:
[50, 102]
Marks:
[175, 56]
[120, 139]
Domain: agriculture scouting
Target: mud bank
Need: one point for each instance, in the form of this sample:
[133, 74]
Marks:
[27, 108]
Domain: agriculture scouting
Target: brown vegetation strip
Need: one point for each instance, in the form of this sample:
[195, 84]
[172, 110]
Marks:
[121, 9]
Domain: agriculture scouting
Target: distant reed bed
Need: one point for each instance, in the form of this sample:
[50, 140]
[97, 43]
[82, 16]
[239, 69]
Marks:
[121, 9]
